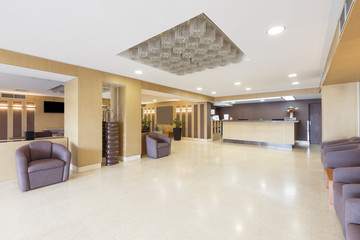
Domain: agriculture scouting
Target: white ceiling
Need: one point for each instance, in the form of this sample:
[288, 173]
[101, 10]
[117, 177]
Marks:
[11, 83]
[91, 33]
[148, 96]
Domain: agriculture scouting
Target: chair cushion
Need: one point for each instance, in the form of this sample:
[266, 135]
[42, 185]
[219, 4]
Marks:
[40, 150]
[163, 145]
[44, 164]
[353, 231]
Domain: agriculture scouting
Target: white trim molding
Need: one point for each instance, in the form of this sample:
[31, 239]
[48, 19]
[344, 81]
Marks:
[196, 139]
[76, 169]
[131, 158]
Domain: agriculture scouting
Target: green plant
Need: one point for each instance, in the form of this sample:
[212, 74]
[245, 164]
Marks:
[145, 122]
[178, 123]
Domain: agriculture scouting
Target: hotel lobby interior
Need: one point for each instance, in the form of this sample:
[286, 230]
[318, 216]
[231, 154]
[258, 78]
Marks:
[216, 120]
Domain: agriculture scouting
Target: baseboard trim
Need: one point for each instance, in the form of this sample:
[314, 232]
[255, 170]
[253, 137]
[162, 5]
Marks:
[85, 168]
[131, 158]
[197, 139]
[302, 143]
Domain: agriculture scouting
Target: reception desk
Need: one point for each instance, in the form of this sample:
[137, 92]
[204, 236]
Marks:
[7, 154]
[268, 133]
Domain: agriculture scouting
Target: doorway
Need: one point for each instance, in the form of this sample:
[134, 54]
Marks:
[315, 131]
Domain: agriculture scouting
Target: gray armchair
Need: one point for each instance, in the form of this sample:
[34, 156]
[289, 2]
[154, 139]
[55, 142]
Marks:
[335, 148]
[157, 145]
[346, 186]
[41, 163]
[352, 219]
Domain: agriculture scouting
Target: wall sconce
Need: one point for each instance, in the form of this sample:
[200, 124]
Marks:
[145, 111]
[30, 107]
[177, 110]
[189, 109]
[183, 109]
[3, 106]
[153, 111]
[17, 107]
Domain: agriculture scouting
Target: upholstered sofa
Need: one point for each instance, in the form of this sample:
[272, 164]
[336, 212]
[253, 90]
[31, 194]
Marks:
[346, 187]
[157, 145]
[340, 142]
[344, 156]
[41, 163]
[352, 219]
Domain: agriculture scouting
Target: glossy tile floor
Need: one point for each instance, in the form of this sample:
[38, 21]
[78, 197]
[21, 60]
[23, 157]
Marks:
[214, 190]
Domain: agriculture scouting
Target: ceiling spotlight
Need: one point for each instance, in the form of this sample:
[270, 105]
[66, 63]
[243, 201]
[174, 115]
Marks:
[275, 30]
[292, 75]
[213, 92]
[138, 72]
[295, 83]
[237, 83]
[247, 89]
[199, 88]
[154, 100]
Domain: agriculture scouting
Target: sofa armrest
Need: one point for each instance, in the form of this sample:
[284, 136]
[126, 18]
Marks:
[60, 152]
[151, 147]
[324, 144]
[345, 158]
[347, 175]
[21, 161]
[340, 147]
[352, 211]
[164, 139]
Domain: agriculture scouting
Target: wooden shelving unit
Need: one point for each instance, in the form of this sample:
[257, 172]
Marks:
[215, 130]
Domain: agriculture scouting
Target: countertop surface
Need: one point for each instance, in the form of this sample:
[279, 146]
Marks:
[276, 121]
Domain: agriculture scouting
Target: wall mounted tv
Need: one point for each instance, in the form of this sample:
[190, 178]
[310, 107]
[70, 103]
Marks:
[53, 107]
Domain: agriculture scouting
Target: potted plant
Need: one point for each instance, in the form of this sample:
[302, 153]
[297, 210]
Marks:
[145, 124]
[177, 129]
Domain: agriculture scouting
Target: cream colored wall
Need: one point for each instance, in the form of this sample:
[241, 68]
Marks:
[174, 104]
[42, 120]
[340, 113]
[83, 108]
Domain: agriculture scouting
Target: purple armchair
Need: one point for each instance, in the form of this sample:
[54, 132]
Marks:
[352, 219]
[41, 163]
[157, 145]
[347, 186]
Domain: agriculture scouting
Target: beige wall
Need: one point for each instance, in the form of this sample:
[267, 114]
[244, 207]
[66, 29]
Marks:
[42, 120]
[340, 113]
[83, 106]
[181, 103]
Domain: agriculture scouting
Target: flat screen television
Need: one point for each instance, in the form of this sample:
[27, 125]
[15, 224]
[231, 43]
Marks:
[53, 107]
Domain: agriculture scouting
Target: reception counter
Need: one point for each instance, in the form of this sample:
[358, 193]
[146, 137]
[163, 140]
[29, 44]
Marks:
[268, 133]
[7, 154]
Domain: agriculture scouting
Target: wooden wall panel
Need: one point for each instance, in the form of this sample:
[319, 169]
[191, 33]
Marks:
[196, 121]
[3, 123]
[208, 120]
[183, 118]
[189, 121]
[30, 120]
[17, 123]
[202, 121]
[339, 111]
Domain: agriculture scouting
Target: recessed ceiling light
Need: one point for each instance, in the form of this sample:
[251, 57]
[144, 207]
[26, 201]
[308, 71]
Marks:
[154, 100]
[292, 75]
[213, 92]
[262, 100]
[295, 83]
[233, 102]
[248, 89]
[275, 30]
[199, 88]
[288, 98]
[139, 72]
[237, 83]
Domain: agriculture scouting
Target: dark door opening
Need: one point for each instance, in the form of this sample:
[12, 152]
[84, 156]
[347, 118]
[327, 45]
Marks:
[315, 123]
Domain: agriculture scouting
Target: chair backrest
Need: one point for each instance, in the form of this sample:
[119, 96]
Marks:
[40, 150]
[153, 135]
